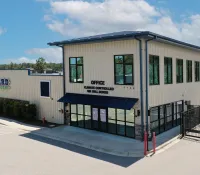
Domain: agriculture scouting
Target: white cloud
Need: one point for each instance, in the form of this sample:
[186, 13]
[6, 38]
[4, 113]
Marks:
[2, 30]
[83, 18]
[18, 60]
[50, 54]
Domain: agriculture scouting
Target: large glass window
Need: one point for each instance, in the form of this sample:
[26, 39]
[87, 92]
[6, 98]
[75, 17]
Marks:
[179, 70]
[123, 69]
[168, 70]
[154, 70]
[165, 117]
[189, 70]
[76, 69]
[197, 71]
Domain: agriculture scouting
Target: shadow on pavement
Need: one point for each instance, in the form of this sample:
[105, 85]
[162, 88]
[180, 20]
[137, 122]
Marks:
[192, 139]
[121, 161]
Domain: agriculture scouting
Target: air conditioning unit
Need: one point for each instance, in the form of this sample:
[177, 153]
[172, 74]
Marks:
[188, 102]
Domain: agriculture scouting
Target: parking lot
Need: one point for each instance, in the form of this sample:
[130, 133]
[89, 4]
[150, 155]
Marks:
[25, 154]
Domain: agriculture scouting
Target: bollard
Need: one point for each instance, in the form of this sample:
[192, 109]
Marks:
[145, 143]
[43, 120]
[154, 142]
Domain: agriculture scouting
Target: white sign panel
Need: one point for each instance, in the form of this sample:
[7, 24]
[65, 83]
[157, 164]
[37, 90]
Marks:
[103, 115]
[95, 114]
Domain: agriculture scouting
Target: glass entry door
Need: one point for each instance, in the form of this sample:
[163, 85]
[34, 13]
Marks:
[99, 119]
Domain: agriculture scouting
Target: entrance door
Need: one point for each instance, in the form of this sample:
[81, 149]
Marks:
[99, 119]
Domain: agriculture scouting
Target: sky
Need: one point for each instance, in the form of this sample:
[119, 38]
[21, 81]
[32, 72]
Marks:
[26, 26]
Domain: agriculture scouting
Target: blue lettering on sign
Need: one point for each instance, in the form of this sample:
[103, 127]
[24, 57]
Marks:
[5, 83]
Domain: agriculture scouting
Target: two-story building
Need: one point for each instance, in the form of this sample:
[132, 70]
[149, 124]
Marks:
[124, 82]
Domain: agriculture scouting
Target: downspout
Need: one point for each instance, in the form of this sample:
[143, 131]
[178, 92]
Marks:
[63, 59]
[147, 85]
[141, 84]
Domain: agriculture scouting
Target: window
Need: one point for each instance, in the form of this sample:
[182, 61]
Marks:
[168, 70]
[179, 70]
[189, 70]
[197, 71]
[165, 117]
[76, 69]
[124, 69]
[154, 70]
[45, 88]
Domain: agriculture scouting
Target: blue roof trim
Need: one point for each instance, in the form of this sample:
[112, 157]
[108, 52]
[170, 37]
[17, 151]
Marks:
[122, 35]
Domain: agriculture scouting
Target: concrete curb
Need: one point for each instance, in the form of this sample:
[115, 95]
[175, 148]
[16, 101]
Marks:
[165, 146]
[136, 153]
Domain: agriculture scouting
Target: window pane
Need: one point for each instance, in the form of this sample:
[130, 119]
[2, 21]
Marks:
[161, 111]
[73, 108]
[120, 114]
[166, 71]
[73, 73]
[128, 59]
[130, 116]
[112, 126]
[79, 60]
[120, 128]
[44, 89]
[111, 113]
[170, 72]
[130, 130]
[129, 74]
[87, 122]
[72, 60]
[156, 70]
[73, 119]
[80, 73]
[81, 121]
[151, 70]
[119, 74]
[80, 109]
[168, 109]
[154, 113]
[118, 59]
[87, 110]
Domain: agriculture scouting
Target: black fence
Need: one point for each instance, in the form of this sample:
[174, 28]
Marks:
[190, 122]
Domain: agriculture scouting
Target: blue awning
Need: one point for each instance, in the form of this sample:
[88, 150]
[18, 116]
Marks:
[100, 101]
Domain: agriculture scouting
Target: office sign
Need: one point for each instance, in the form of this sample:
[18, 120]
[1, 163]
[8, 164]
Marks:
[5, 83]
[98, 87]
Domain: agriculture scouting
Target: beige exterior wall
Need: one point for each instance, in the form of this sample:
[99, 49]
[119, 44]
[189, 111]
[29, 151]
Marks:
[25, 87]
[163, 93]
[99, 65]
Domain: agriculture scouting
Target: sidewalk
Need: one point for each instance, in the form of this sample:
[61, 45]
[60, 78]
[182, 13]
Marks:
[98, 141]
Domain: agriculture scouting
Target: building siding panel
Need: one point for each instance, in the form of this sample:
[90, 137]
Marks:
[25, 87]
[166, 93]
[99, 65]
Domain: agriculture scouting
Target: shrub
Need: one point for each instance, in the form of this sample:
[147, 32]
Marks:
[17, 109]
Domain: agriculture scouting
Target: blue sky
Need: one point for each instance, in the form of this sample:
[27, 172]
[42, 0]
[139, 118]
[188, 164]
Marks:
[26, 26]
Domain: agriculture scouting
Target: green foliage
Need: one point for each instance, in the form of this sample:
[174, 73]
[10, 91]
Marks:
[54, 66]
[17, 109]
[40, 65]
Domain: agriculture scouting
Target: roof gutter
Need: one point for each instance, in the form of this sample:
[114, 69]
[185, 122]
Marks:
[147, 83]
[141, 83]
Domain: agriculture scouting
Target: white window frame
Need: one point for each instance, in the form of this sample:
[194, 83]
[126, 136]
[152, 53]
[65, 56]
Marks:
[49, 88]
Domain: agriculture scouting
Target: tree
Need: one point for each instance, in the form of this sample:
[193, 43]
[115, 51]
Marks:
[11, 66]
[40, 65]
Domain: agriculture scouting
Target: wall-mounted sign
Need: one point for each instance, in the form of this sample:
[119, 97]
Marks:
[5, 83]
[98, 89]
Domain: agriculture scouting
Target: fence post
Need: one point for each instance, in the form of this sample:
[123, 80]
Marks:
[145, 143]
[154, 142]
